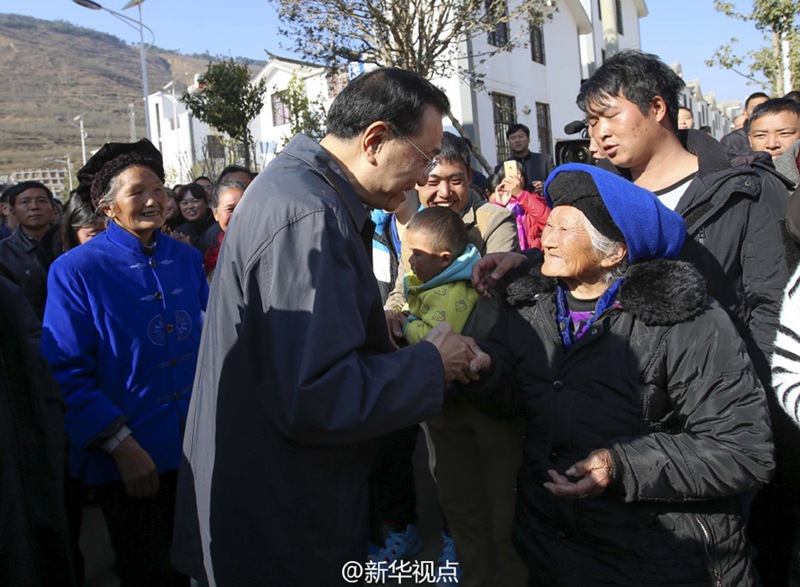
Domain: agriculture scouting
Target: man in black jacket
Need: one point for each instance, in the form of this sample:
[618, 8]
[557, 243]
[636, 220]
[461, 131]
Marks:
[537, 165]
[631, 104]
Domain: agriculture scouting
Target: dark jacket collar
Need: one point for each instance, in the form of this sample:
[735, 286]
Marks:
[660, 292]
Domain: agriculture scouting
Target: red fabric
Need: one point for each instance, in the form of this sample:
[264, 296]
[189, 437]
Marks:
[212, 254]
[535, 217]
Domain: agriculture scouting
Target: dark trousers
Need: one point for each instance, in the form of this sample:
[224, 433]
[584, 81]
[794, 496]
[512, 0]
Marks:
[73, 498]
[141, 533]
[392, 489]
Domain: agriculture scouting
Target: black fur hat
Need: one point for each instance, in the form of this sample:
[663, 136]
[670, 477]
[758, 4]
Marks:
[110, 160]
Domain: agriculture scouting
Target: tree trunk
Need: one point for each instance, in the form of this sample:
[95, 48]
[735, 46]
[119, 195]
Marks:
[476, 150]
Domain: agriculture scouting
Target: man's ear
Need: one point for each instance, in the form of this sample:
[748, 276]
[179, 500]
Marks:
[659, 109]
[372, 139]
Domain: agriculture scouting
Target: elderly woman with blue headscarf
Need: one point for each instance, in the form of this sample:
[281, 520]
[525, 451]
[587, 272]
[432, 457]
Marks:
[646, 425]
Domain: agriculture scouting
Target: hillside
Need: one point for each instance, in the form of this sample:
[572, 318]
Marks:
[53, 68]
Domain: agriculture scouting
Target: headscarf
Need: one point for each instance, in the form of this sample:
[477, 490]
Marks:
[619, 210]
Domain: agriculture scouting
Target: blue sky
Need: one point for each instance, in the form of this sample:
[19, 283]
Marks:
[687, 31]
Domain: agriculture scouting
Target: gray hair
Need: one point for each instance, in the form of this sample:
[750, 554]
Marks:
[228, 184]
[606, 247]
[107, 197]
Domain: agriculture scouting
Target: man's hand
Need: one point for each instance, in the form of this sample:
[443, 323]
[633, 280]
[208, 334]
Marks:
[395, 326]
[137, 469]
[538, 187]
[456, 351]
[492, 267]
[596, 474]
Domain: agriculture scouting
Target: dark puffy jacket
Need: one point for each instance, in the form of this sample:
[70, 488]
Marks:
[663, 380]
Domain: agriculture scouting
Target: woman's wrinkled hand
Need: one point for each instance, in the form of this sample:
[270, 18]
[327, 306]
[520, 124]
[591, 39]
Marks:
[595, 472]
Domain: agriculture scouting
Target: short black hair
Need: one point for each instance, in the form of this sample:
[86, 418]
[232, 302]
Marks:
[639, 78]
[455, 150]
[199, 177]
[754, 96]
[793, 95]
[233, 169]
[228, 184]
[444, 227]
[775, 106]
[10, 195]
[516, 127]
[393, 95]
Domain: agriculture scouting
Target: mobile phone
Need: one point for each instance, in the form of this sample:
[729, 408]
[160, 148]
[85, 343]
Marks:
[510, 169]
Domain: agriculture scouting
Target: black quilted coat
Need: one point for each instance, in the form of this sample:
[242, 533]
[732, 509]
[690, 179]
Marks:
[662, 380]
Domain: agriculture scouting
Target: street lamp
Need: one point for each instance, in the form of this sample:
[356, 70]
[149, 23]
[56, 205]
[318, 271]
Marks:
[79, 118]
[137, 24]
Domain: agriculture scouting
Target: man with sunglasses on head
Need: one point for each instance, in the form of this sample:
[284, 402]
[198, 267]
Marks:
[296, 376]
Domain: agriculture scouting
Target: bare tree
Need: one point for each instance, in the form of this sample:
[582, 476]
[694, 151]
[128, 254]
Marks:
[425, 36]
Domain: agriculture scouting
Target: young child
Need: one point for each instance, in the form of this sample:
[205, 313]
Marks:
[438, 287]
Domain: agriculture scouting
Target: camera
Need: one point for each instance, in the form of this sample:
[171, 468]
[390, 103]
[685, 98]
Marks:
[574, 150]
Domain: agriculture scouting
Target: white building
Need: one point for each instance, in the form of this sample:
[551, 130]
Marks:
[534, 85]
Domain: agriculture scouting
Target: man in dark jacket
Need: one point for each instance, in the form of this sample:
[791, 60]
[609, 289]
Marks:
[26, 255]
[631, 104]
[34, 541]
[537, 165]
[296, 377]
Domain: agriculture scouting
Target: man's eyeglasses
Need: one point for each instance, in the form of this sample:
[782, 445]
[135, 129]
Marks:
[431, 162]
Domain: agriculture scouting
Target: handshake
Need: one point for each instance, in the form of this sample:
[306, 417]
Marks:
[462, 358]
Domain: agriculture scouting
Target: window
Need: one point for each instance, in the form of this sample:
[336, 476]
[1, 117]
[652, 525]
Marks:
[537, 43]
[505, 114]
[498, 9]
[618, 11]
[543, 127]
[280, 111]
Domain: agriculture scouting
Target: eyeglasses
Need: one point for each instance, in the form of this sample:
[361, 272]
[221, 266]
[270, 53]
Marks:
[431, 162]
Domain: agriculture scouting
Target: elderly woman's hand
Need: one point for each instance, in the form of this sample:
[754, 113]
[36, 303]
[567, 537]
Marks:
[492, 267]
[596, 472]
[136, 468]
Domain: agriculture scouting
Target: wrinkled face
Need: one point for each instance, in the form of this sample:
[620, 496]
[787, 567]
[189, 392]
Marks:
[193, 208]
[519, 142]
[423, 259]
[33, 209]
[685, 119]
[568, 251]
[88, 231]
[774, 133]
[228, 200]
[140, 203]
[447, 185]
[624, 135]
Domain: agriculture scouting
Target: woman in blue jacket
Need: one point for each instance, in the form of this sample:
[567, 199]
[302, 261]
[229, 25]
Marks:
[121, 332]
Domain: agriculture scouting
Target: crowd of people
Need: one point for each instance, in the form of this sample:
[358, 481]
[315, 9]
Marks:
[604, 359]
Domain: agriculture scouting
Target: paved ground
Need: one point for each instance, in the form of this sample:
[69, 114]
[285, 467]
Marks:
[100, 571]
